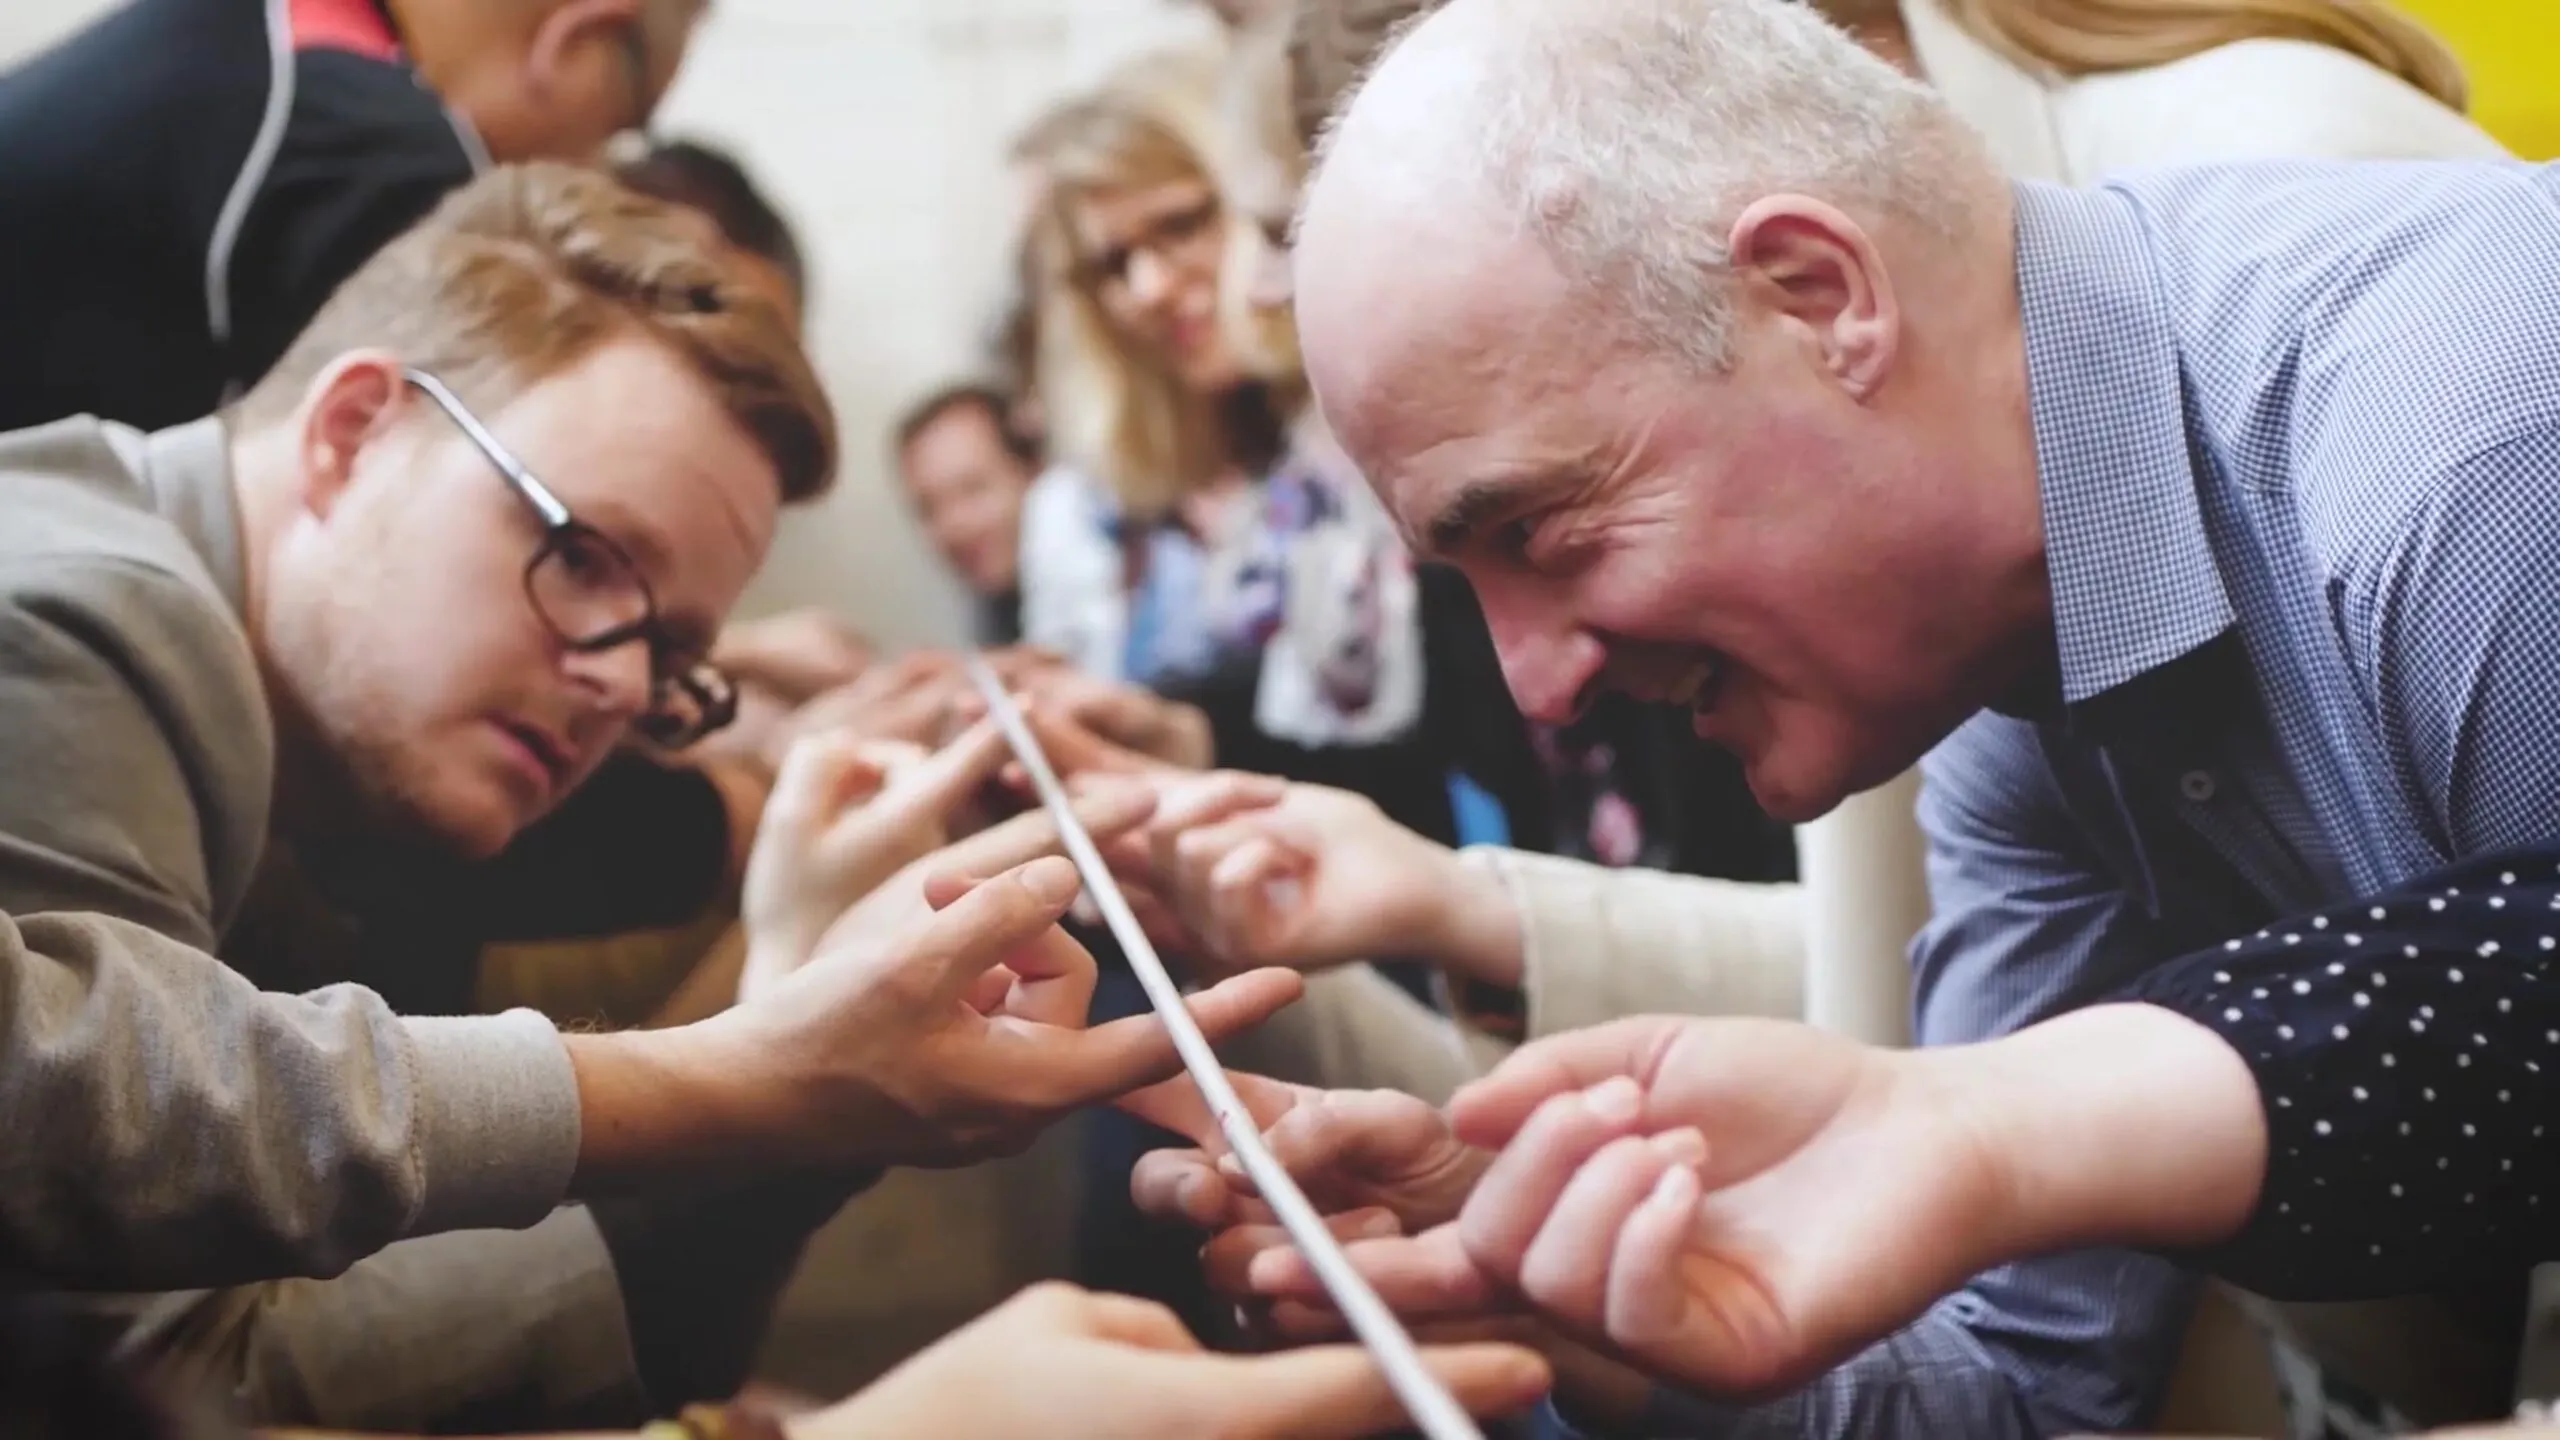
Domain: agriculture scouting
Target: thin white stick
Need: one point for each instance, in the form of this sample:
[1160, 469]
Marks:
[1425, 1398]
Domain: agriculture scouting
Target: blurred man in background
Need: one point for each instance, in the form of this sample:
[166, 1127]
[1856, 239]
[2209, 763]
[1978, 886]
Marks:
[966, 469]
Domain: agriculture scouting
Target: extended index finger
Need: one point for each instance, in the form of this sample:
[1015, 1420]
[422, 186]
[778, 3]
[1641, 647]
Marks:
[1176, 1105]
[1080, 1067]
[968, 937]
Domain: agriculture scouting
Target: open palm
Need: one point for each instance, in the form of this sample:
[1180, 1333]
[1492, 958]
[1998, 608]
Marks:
[1732, 1204]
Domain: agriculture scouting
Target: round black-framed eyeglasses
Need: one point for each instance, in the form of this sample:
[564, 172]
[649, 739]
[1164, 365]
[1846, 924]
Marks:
[591, 594]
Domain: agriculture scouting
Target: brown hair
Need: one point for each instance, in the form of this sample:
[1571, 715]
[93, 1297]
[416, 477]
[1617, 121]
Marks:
[529, 268]
[990, 399]
[1333, 42]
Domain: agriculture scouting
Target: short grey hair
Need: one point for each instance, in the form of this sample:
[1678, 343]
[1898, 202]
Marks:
[1626, 136]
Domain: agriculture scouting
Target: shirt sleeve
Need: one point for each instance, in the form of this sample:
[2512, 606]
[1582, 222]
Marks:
[2407, 1054]
[2450, 625]
[169, 1124]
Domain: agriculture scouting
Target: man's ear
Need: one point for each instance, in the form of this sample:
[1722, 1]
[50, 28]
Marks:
[1811, 264]
[348, 407]
[568, 34]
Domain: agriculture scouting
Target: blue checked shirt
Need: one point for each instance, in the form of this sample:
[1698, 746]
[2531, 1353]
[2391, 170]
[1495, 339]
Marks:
[2298, 433]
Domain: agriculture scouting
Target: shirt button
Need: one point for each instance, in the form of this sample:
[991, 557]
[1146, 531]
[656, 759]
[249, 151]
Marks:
[2197, 785]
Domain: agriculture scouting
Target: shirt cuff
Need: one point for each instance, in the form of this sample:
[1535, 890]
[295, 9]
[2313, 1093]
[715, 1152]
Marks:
[497, 1126]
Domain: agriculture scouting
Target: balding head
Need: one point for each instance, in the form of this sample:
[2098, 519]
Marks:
[1651, 315]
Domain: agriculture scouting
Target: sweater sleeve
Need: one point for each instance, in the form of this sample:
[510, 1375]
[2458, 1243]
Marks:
[170, 1124]
[2407, 1054]
[1598, 944]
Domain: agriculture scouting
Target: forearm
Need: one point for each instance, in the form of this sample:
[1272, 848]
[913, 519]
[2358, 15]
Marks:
[503, 1328]
[658, 1106]
[1474, 930]
[2119, 1124]
[2405, 1051]
[175, 1127]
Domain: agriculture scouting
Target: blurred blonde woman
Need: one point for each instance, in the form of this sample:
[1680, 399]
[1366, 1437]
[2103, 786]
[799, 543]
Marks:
[1180, 540]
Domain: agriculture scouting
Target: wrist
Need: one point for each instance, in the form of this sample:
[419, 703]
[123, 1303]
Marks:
[1186, 741]
[657, 1102]
[1474, 927]
[2119, 1124]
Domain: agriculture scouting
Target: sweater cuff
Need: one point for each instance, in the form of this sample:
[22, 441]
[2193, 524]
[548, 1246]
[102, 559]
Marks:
[497, 1132]
[1599, 944]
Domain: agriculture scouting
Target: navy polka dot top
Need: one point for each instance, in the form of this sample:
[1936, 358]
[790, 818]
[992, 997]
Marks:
[2406, 1049]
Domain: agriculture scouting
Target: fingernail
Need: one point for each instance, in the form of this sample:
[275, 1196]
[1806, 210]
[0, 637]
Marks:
[1378, 1227]
[1676, 1190]
[1049, 882]
[1616, 1099]
[1526, 1378]
[1684, 1146]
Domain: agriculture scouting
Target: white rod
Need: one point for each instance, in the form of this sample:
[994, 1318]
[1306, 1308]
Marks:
[1425, 1399]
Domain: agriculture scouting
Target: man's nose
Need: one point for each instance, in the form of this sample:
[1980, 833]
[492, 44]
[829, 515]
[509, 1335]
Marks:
[1553, 673]
[621, 678]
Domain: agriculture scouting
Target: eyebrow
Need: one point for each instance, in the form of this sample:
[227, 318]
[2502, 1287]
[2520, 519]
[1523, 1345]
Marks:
[1478, 501]
[687, 633]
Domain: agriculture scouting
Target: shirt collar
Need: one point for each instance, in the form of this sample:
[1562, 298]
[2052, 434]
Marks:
[2133, 575]
[2008, 105]
[187, 471]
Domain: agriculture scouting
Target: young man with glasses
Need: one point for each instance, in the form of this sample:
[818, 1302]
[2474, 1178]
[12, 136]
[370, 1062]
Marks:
[482, 520]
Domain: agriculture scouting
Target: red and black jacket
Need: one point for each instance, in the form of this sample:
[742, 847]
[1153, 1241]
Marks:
[185, 181]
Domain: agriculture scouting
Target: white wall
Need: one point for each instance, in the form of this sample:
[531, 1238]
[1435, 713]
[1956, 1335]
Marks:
[880, 126]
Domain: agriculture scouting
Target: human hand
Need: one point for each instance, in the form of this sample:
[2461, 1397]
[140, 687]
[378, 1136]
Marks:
[795, 654]
[912, 699]
[1064, 1363]
[1122, 717]
[1734, 1204]
[1373, 1162]
[1261, 872]
[845, 814]
[956, 1038]
[1111, 810]
[1348, 1150]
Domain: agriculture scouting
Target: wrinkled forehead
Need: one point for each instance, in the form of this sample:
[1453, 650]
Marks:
[1438, 355]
